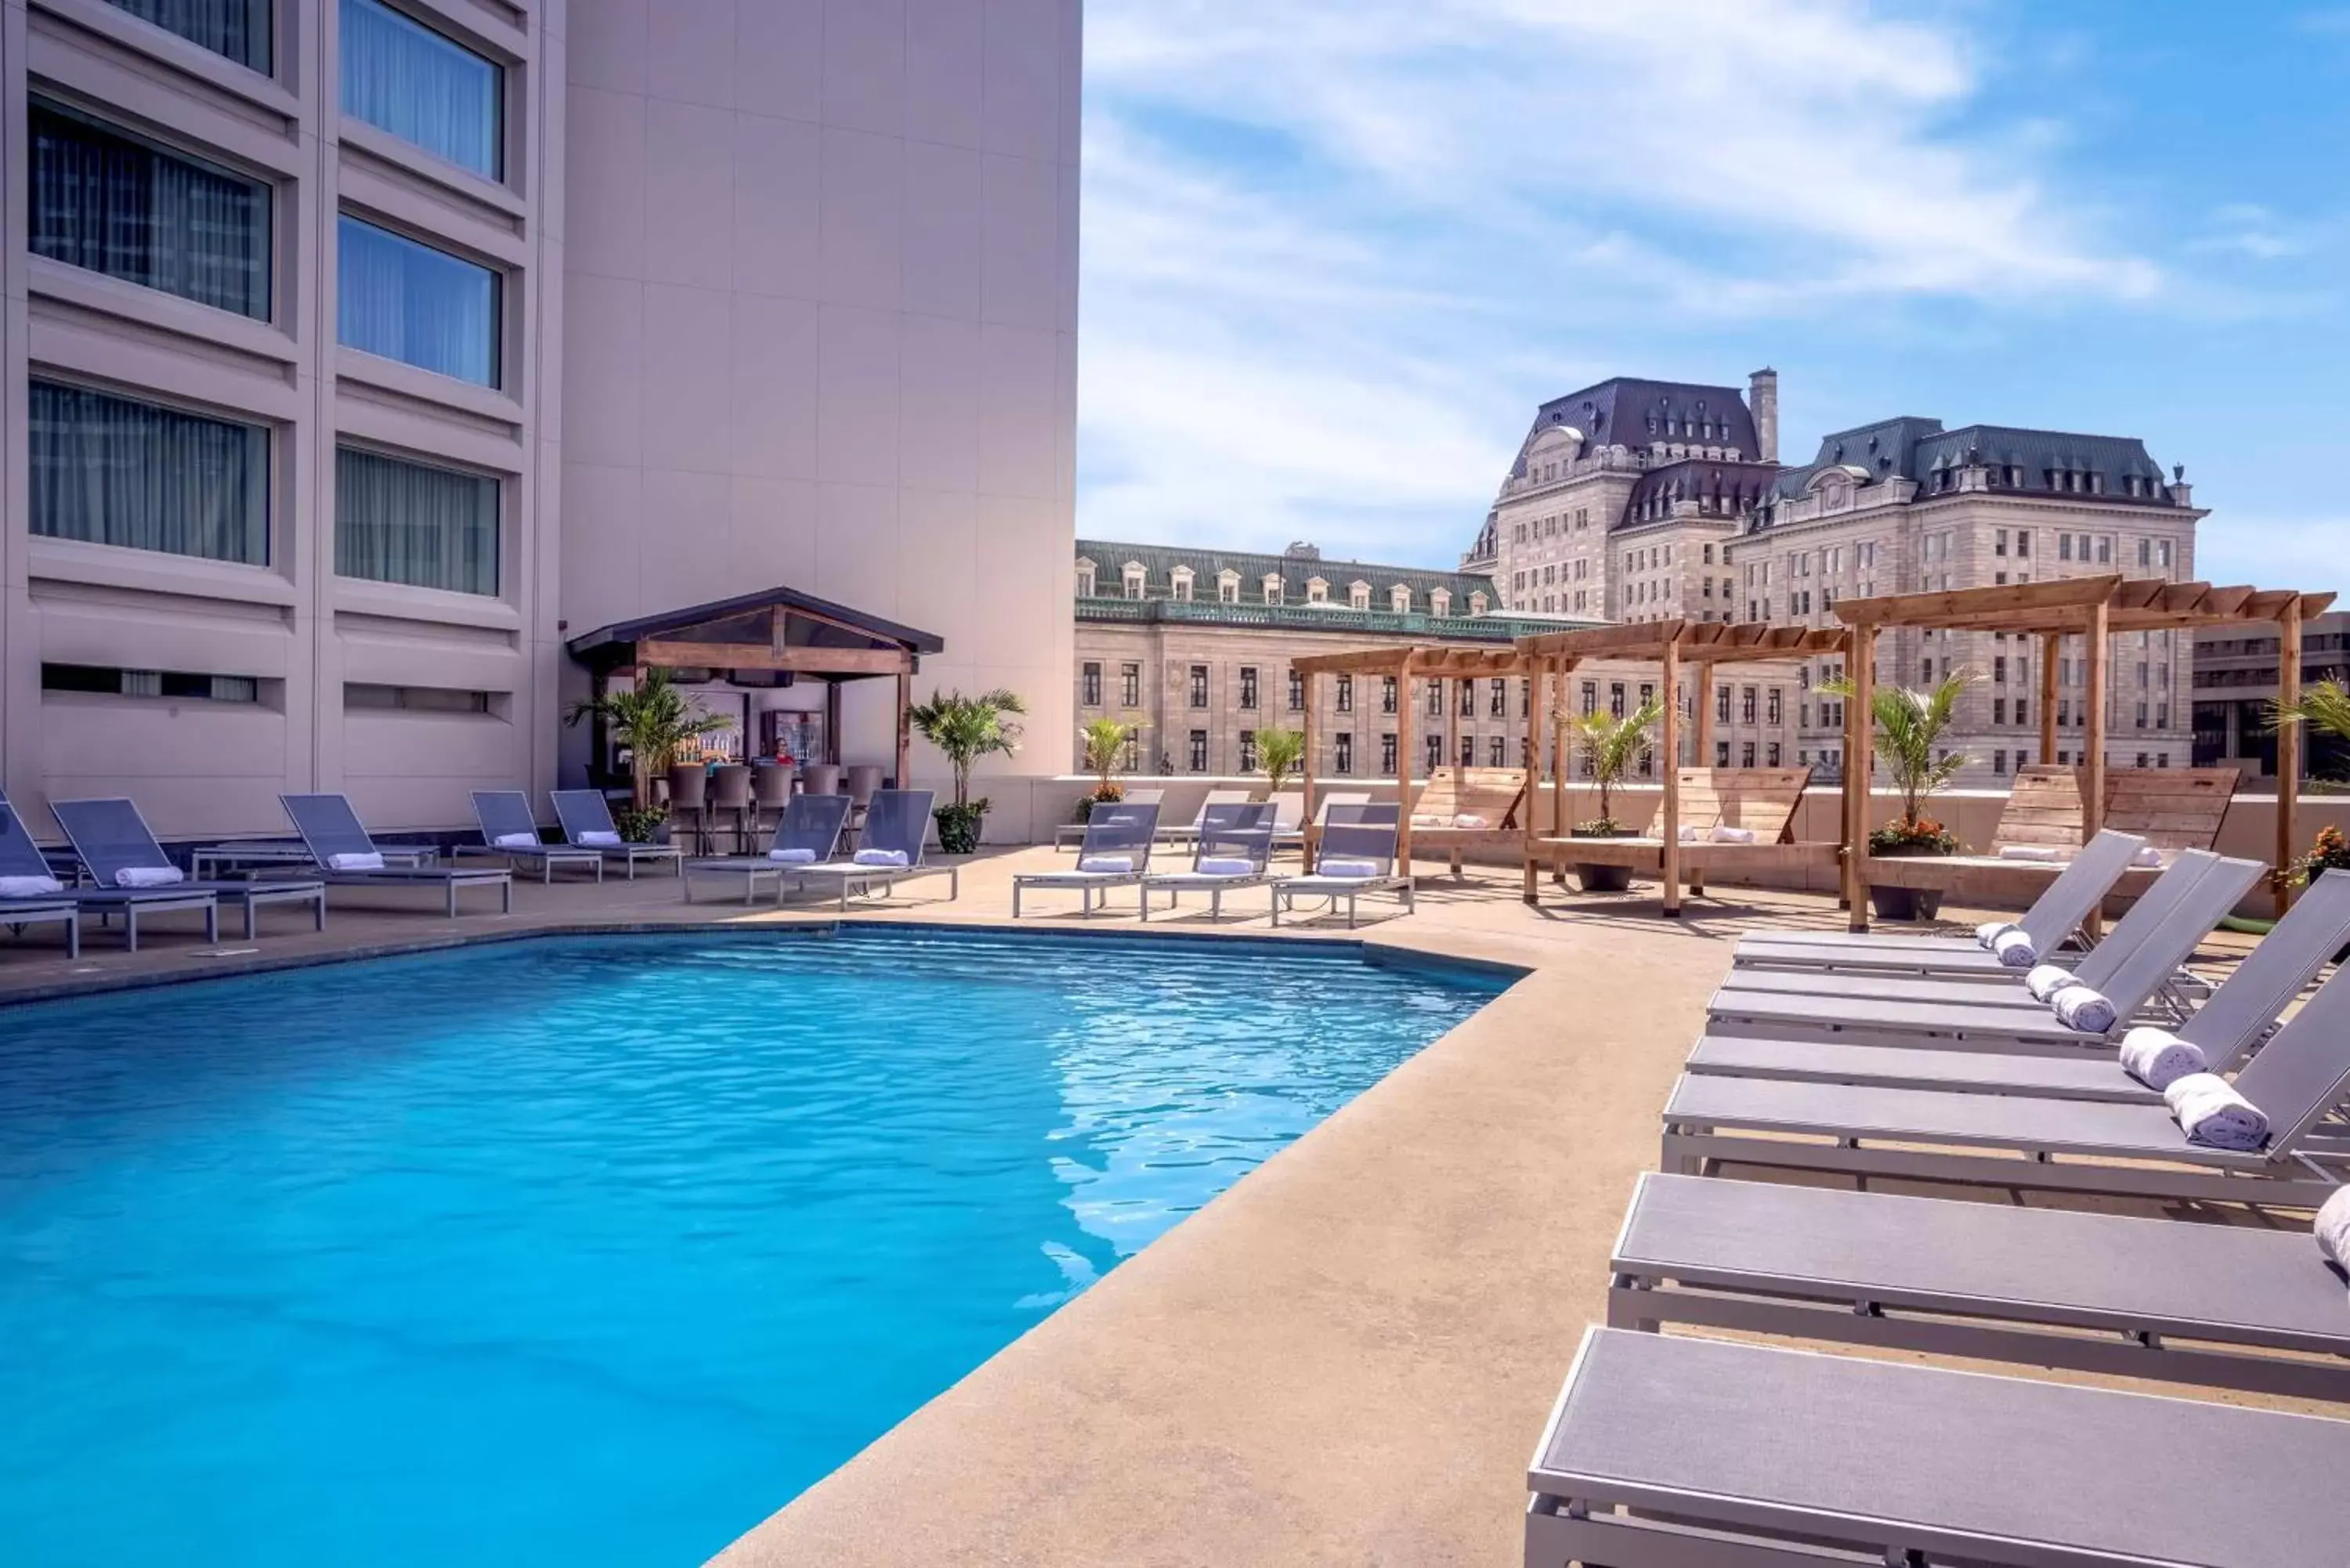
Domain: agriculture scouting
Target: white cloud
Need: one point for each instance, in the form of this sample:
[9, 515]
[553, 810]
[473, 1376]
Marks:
[1334, 252]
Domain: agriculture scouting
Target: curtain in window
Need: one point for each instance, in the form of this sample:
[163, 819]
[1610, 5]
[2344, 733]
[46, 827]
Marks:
[114, 204]
[115, 472]
[237, 28]
[408, 302]
[404, 77]
[400, 522]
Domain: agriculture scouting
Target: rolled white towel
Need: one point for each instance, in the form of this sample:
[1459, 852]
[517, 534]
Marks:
[792, 857]
[1469, 819]
[369, 861]
[516, 841]
[153, 876]
[2210, 1112]
[2333, 1227]
[1226, 866]
[882, 858]
[2084, 1008]
[1353, 870]
[2147, 854]
[1106, 864]
[1724, 833]
[2015, 948]
[2046, 980]
[2157, 1058]
[1989, 932]
[1419, 820]
[29, 887]
[2037, 852]
[1689, 834]
[600, 839]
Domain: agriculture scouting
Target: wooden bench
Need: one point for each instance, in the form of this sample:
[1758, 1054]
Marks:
[1492, 795]
[2171, 808]
[1764, 800]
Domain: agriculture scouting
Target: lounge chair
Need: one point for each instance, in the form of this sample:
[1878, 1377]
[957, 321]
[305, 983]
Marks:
[111, 837]
[347, 857]
[889, 851]
[1235, 846]
[2239, 1015]
[510, 832]
[1188, 832]
[1459, 809]
[1732, 819]
[2299, 1077]
[23, 863]
[2129, 969]
[586, 819]
[2053, 918]
[1069, 834]
[1324, 803]
[40, 897]
[1677, 1452]
[1116, 854]
[1987, 1281]
[807, 834]
[1360, 840]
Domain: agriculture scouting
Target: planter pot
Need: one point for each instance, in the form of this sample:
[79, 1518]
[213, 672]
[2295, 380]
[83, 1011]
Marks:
[959, 828]
[1604, 878]
[1906, 903]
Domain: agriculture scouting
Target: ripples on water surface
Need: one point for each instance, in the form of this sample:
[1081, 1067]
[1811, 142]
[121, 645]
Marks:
[597, 1250]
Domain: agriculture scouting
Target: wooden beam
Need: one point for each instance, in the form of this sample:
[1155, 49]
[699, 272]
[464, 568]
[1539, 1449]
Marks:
[761, 655]
[1670, 750]
[2099, 651]
[1404, 753]
[2289, 749]
[1859, 768]
[905, 727]
[1559, 761]
[1312, 682]
[1537, 718]
[1938, 609]
[2052, 645]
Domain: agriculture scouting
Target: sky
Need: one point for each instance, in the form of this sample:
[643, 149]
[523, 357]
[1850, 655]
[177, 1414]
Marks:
[1335, 255]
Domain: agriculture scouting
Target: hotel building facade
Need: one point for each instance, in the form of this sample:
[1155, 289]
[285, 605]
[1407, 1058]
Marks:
[359, 352]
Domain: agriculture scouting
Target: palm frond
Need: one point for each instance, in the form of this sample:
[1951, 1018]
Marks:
[2324, 706]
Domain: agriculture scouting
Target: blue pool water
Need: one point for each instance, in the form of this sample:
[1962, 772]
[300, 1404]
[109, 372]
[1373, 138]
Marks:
[597, 1250]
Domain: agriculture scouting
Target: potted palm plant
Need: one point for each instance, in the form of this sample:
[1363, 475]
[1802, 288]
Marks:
[1280, 752]
[1910, 726]
[650, 720]
[1609, 746]
[2325, 708]
[1105, 740]
[965, 729]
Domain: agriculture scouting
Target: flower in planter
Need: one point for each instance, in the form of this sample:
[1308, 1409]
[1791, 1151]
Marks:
[2330, 853]
[1601, 827]
[1913, 836]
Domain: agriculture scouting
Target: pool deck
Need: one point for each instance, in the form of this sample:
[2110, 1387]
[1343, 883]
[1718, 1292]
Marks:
[1344, 1359]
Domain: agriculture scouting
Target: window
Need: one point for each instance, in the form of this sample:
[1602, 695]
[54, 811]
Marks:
[1344, 761]
[1296, 692]
[1590, 698]
[1999, 762]
[1199, 757]
[1497, 753]
[1435, 749]
[1346, 694]
[401, 76]
[1999, 709]
[1722, 704]
[1179, 583]
[1228, 590]
[1273, 590]
[1199, 686]
[1129, 683]
[1468, 690]
[415, 698]
[1771, 754]
[114, 471]
[2022, 710]
[1468, 751]
[1721, 753]
[1999, 543]
[1248, 686]
[422, 306]
[238, 29]
[1133, 581]
[2146, 552]
[1090, 685]
[1358, 596]
[1387, 754]
[120, 205]
[397, 521]
[2162, 554]
[1248, 751]
[1746, 753]
[1777, 709]
[1747, 698]
[1499, 703]
[1085, 579]
[1616, 699]
[106, 680]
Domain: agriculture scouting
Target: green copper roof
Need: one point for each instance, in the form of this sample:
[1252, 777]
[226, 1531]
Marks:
[1159, 562]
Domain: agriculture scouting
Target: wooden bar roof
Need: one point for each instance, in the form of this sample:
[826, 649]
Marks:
[2064, 605]
[1429, 659]
[1694, 641]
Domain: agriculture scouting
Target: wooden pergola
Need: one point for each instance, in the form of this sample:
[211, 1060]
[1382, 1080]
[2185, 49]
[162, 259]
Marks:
[1670, 645]
[2094, 610]
[772, 637]
[1409, 662]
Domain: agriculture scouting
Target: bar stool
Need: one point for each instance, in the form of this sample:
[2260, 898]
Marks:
[771, 796]
[863, 780]
[821, 778]
[688, 790]
[730, 796]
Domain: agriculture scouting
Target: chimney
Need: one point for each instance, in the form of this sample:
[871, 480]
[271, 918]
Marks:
[1762, 397]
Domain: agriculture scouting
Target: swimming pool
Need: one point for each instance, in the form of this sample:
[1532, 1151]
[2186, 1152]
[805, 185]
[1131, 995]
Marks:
[598, 1249]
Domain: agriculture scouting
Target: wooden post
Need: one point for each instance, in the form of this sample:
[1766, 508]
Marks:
[1702, 677]
[2093, 763]
[1313, 686]
[1562, 760]
[1537, 717]
[2052, 645]
[1669, 747]
[832, 720]
[1452, 722]
[1859, 766]
[2289, 750]
[1404, 753]
[905, 727]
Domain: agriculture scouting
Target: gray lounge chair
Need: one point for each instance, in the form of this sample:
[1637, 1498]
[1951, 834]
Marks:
[341, 846]
[1984, 1281]
[586, 819]
[1233, 850]
[889, 850]
[1358, 833]
[1070, 835]
[2242, 1012]
[20, 857]
[1677, 1452]
[2053, 918]
[2129, 967]
[1186, 832]
[1116, 854]
[510, 832]
[111, 837]
[50, 908]
[2046, 1145]
[807, 834]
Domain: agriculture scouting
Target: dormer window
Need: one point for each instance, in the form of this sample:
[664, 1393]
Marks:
[1478, 603]
[1317, 592]
[1178, 583]
[1273, 587]
[1440, 602]
[1228, 587]
[1136, 577]
[1399, 598]
[1358, 596]
[1085, 571]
